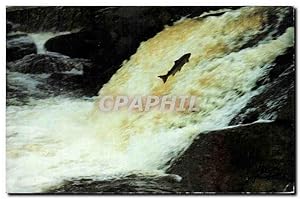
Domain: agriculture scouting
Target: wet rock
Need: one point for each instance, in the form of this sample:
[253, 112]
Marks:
[50, 18]
[19, 45]
[38, 76]
[9, 26]
[135, 183]
[66, 18]
[43, 63]
[258, 157]
[84, 44]
[265, 185]
[21, 88]
[63, 83]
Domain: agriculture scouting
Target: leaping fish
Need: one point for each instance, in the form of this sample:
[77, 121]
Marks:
[177, 66]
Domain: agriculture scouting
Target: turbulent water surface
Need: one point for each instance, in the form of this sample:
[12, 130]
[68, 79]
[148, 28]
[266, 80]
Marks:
[53, 139]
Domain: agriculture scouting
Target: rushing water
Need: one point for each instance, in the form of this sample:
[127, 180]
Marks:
[49, 140]
[41, 38]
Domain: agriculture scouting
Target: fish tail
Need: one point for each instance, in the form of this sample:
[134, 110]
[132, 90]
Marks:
[163, 77]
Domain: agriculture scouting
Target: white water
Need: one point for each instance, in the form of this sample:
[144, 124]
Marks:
[41, 38]
[57, 138]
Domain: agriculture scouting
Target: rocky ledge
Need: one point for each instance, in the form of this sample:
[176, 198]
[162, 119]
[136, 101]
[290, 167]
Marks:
[256, 157]
[47, 63]
[48, 75]
[19, 45]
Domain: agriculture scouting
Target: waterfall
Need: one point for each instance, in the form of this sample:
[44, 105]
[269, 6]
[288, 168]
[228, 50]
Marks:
[41, 38]
[59, 138]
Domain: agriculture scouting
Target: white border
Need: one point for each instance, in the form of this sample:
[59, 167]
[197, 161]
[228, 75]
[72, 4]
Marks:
[5, 3]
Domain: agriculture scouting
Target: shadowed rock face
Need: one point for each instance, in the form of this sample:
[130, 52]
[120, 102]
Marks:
[135, 183]
[43, 63]
[84, 44]
[53, 75]
[9, 27]
[239, 159]
[50, 18]
[19, 45]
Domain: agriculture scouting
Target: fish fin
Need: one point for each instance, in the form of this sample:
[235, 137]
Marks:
[163, 77]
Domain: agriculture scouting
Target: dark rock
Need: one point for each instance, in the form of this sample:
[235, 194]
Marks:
[22, 88]
[83, 44]
[66, 18]
[258, 157]
[50, 18]
[70, 83]
[43, 63]
[19, 45]
[9, 26]
[48, 74]
[135, 183]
